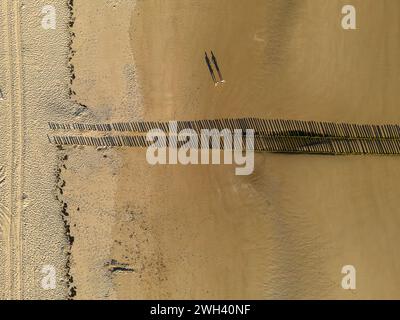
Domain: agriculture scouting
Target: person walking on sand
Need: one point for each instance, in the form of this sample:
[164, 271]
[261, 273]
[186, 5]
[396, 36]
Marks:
[214, 59]
[210, 69]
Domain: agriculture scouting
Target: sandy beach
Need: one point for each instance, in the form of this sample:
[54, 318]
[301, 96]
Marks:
[115, 227]
[286, 231]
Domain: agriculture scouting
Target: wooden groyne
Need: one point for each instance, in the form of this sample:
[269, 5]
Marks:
[284, 136]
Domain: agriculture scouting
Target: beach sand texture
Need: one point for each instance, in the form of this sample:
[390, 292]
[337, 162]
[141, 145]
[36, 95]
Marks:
[115, 227]
[287, 230]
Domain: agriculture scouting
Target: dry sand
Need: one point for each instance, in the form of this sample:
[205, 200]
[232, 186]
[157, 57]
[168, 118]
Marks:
[200, 231]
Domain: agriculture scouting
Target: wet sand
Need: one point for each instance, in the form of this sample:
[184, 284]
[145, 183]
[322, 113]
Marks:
[34, 84]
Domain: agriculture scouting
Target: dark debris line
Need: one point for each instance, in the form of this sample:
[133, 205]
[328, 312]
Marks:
[282, 136]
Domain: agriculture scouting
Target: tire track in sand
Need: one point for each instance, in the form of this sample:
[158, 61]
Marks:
[12, 217]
